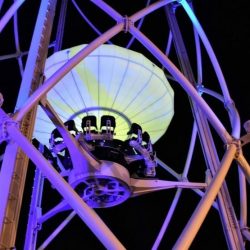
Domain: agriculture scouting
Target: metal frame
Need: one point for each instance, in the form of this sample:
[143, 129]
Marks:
[216, 192]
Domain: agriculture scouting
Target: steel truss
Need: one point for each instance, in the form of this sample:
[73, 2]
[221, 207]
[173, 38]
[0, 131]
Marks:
[17, 130]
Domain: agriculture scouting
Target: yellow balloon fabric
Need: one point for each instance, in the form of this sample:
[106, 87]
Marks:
[110, 81]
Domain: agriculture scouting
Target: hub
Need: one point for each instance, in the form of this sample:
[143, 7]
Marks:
[105, 188]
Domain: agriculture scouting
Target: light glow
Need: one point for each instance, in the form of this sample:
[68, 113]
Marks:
[111, 81]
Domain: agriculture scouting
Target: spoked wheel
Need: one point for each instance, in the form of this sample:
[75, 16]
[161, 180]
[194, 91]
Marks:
[103, 191]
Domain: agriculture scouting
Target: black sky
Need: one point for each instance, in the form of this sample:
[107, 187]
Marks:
[137, 221]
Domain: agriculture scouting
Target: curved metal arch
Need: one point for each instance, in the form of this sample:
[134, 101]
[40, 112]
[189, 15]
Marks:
[233, 145]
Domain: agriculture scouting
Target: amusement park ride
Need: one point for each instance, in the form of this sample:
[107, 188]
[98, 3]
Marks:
[93, 135]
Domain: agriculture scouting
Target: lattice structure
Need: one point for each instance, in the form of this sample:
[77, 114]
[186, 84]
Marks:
[92, 127]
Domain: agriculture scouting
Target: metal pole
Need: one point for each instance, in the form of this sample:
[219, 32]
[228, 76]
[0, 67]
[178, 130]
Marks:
[11, 11]
[178, 192]
[183, 81]
[14, 166]
[228, 101]
[35, 209]
[88, 215]
[60, 73]
[226, 211]
[57, 230]
[206, 202]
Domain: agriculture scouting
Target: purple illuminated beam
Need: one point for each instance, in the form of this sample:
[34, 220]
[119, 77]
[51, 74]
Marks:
[188, 87]
[88, 215]
[164, 60]
[137, 16]
[60, 207]
[98, 32]
[235, 120]
[208, 47]
[179, 190]
[206, 202]
[17, 44]
[183, 81]
[57, 230]
[10, 12]
[61, 72]
[1, 4]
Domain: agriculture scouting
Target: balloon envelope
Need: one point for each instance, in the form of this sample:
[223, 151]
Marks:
[110, 81]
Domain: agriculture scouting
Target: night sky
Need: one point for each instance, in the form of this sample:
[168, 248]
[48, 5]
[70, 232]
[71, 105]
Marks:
[137, 222]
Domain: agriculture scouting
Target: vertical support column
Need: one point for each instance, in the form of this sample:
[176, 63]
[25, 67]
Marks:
[35, 211]
[15, 162]
[205, 204]
[226, 211]
[60, 26]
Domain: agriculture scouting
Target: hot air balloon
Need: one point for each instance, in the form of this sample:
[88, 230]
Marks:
[119, 103]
